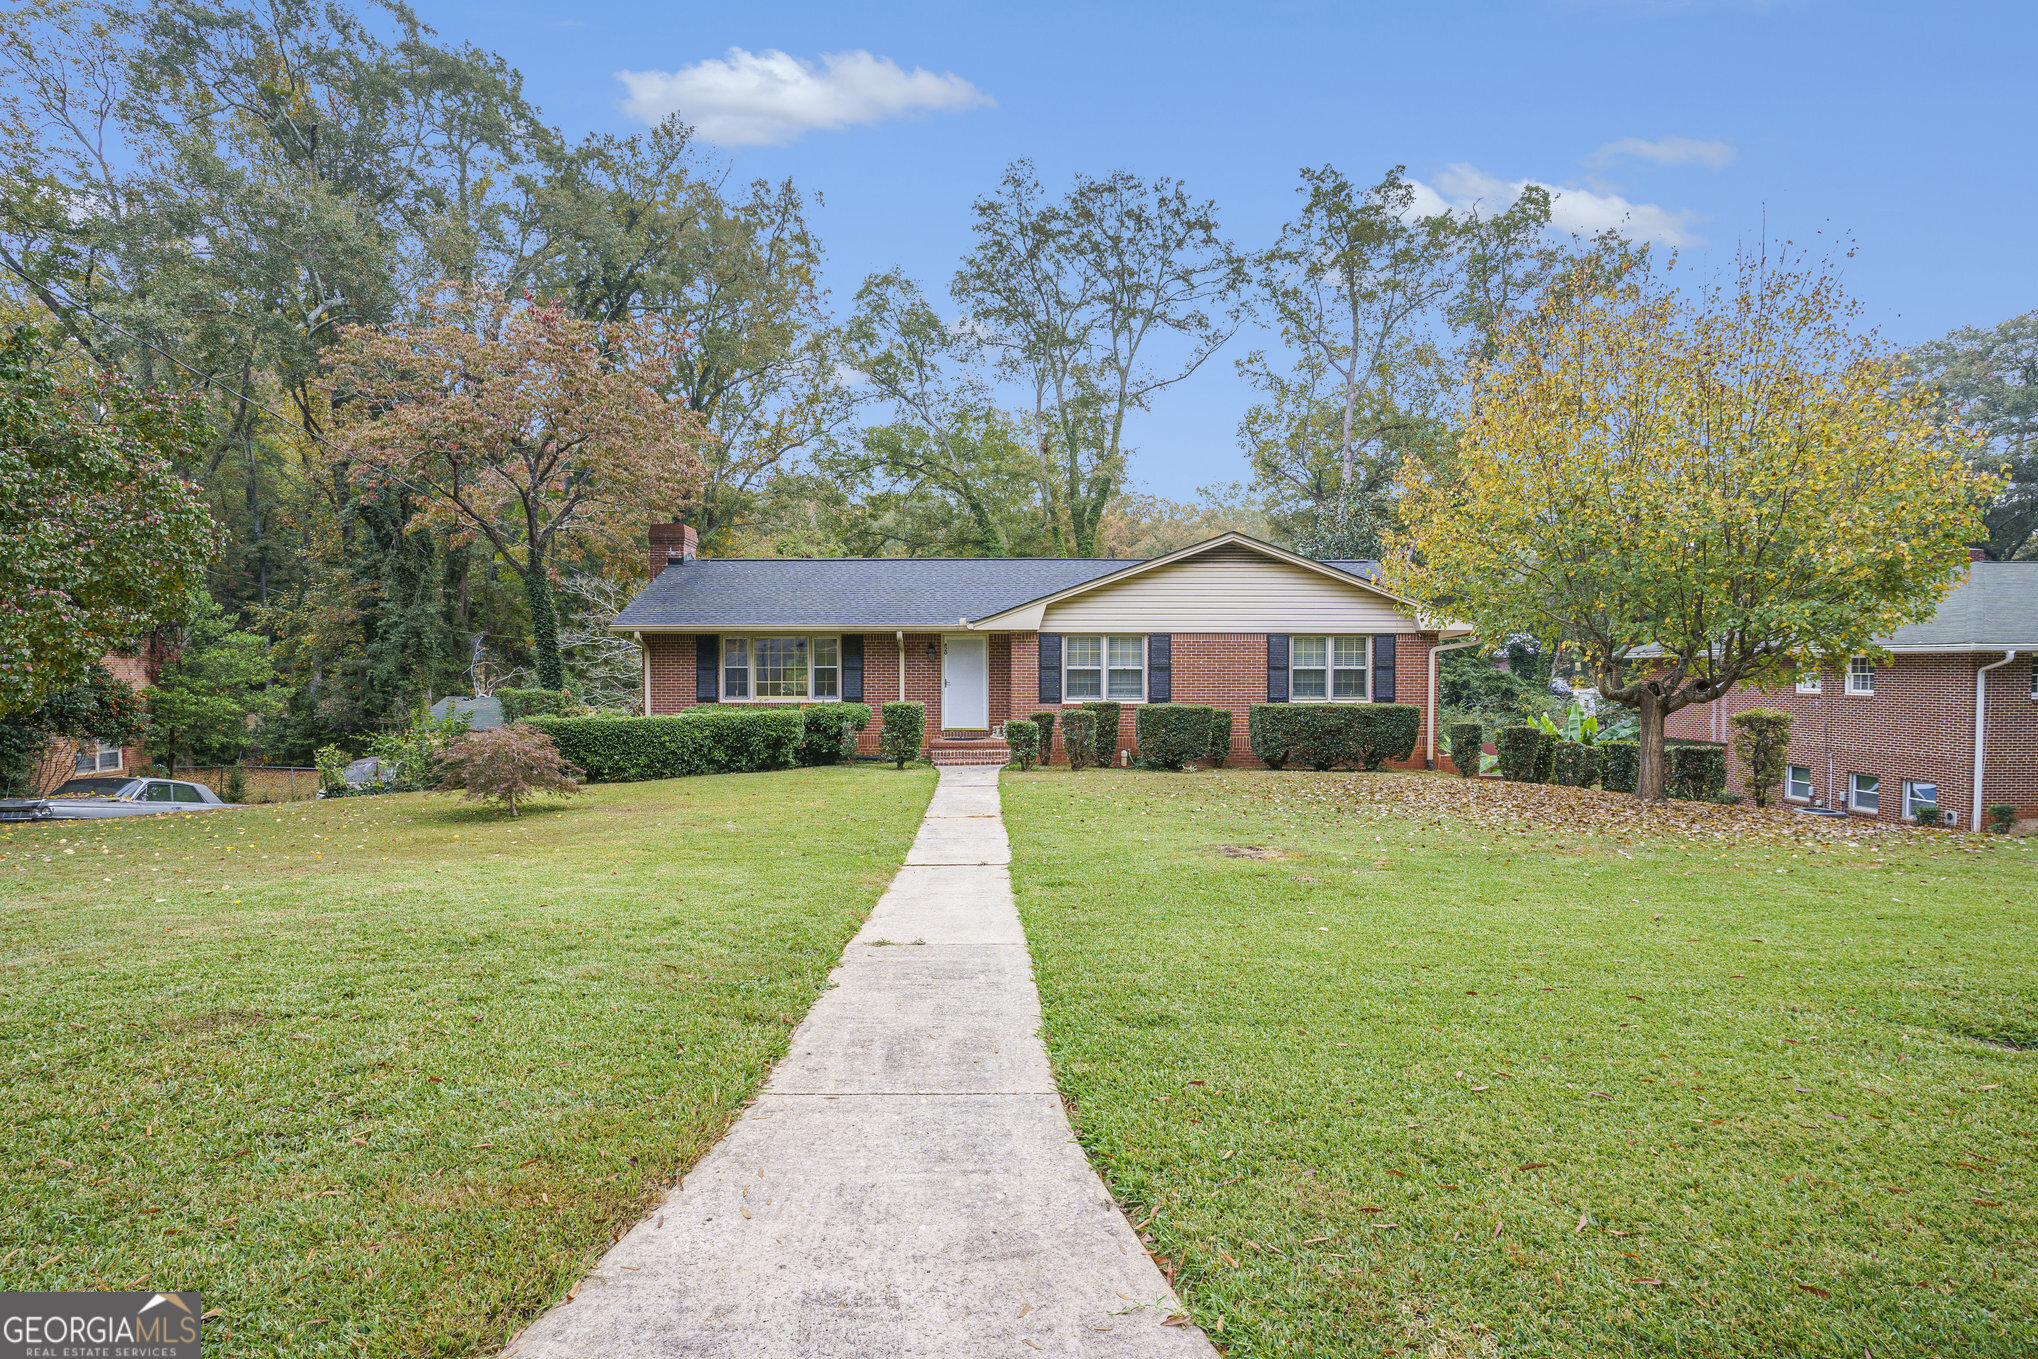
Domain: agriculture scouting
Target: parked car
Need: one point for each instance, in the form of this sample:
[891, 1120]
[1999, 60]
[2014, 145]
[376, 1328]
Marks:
[82, 799]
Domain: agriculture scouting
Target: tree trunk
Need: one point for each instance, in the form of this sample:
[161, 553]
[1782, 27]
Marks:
[544, 623]
[1651, 777]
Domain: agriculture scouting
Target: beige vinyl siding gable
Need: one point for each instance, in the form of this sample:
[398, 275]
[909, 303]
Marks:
[1229, 590]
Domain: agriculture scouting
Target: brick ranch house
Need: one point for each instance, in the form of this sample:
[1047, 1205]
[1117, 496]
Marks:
[82, 759]
[1231, 621]
[1951, 719]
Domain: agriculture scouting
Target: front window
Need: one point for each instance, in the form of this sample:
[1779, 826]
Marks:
[1860, 676]
[1864, 792]
[1811, 682]
[1104, 667]
[782, 669]
[97, 758]
[1328, 669]
[1917, 795]
[1797, 783]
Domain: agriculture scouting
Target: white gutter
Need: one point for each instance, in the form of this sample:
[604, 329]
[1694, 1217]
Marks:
[644, 664]
[902, 666]
[1434, 652]
[1981, 726]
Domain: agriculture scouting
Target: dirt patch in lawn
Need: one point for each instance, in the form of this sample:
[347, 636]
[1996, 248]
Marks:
[1250, 852]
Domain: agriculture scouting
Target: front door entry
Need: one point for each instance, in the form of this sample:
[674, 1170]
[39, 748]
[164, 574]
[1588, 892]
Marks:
[965, 684]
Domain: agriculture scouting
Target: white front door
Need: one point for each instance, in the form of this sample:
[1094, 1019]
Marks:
[965, 684]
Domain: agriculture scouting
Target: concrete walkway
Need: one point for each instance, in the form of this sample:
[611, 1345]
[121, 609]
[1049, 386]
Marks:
[906, 1184]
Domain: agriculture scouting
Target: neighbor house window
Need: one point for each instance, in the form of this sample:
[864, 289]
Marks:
[2034, 678]
[1797, 783]
[782, 669]
[1104, 667]
[1811, 682]
[1864, 792]
[1860, 676]
[1327, 668]
[1918, 795]
[97, 758]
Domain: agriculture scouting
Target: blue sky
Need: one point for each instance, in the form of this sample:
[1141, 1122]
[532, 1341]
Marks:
[1907, 125]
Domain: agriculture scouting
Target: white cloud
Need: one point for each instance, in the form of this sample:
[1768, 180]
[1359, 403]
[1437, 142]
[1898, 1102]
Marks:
[1580, 210]
[1667, 151]
[768, 98]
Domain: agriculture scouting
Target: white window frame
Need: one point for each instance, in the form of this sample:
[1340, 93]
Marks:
[1331, 668]
[1854, 791]
[93, 759]
[1861, 677]
[1811, 682]
[1912, 802]
[1103, 669]
[748, 644]
[2034, 679]
[1790, 773]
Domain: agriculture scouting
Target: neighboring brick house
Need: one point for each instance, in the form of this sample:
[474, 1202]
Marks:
[1229, 622]
[74, 759]
[1957, 695]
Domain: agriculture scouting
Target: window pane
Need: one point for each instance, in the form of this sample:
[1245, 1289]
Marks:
[781, 667]
[186, 793]
[1349, 651]
[109, 758]
[1865, 791]
[1128, 651]
[1306, 683]
[827, 650]
[735, 667]
[158, 792]
[1920, 795]
[86, 763]
[1860, 676]
[1798, 781]
[1127, 684]
[1085, 683]
[1309, 651]
[827, 682]
[1086, 651]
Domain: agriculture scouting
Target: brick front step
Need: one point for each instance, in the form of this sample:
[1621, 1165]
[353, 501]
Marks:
[978, 750]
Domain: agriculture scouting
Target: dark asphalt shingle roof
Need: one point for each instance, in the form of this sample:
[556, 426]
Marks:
[868, 592]
[1996, 606]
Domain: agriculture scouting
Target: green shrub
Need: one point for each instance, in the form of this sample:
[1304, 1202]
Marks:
[1312, 735]
[1620, 763]
[705, 740]
[1023, 736]
[1546, 756]
[1577, 764]
[903, 733]
[1079, 737]
[1764, 746]
[2002, 816]
[1697, 772]
[1385, 731]
[1520, 750]
[1172, 734]
[1467, 740]
[1928, 815]
[518, 704]
[1219, 748]
[332, 765]
[830, 736]
[1106, 739]
[236, 786]
[1045, 721]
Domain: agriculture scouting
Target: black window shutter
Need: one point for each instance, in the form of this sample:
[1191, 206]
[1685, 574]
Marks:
[1277, 667]
[707, 661]
[1050, 667]
[1383, 667]
[1160, 668]
[852, 667]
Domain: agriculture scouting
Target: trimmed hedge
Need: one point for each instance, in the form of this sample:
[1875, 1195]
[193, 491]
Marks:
[1696, 772]
[1023, 736]
[1546, 757]
[1172, 734]
[1577, 764]
[517, 704]
[904, 732]
[1326, 735]
[1620, 764]
[1079, 737]
[831, 730]
[1468, 740]
[1106, 739]
[1219, 748]
[1045, 721]
[1520, 749]
[702, 741]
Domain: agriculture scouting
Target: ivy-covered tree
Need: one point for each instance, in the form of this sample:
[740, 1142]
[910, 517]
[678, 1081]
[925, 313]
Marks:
[1696, 490]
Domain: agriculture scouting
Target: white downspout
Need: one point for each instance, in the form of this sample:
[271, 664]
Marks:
[644, 664]
[1430, 761]
[902, 665]
[1981, 726]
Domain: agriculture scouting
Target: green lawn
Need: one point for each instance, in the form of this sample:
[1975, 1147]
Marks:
[1441, 1079]
[380, 1076]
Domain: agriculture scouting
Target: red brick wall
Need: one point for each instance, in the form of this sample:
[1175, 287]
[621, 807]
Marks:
[1917, 725]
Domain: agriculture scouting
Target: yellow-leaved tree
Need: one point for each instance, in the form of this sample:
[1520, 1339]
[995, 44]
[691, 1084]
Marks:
[1694, 489]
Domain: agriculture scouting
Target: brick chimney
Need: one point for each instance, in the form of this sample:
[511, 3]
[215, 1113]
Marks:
[672, 545]
[1976, 552]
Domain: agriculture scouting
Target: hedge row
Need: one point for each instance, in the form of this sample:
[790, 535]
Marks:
[1468, 741]
[518, 704]
[1326, 735]
[1173, 734]
[830, 735]
[702, 741]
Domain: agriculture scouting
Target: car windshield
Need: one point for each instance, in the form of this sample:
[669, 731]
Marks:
[92, 788]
